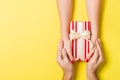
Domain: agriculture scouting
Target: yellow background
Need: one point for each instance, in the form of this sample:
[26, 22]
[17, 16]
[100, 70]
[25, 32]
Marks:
[29, 35]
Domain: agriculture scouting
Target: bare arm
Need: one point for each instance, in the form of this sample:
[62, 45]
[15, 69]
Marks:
[65, 8]
[93, 11]
[65, 12]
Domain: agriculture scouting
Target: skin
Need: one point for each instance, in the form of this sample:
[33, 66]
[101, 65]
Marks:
[95, 59]
[65, 9]
[93, 11]
[64, 62]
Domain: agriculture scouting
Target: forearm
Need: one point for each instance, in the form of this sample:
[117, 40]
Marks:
[93, 11]
[65, 12]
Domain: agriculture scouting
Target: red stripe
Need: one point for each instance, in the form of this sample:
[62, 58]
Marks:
[72, 25]
[88, 25]
[88, 47]
[85, 44]
[88, 41]
[73, 40]
[85, 25]
[76, 40]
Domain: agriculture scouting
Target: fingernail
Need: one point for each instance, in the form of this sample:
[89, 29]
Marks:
[87, 60]
[72, 61]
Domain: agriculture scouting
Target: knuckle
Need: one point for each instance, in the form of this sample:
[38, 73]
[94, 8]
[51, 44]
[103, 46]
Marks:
[93, 63]
[89, 68]
[66, 62]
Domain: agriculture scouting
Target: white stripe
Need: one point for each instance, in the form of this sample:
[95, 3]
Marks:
[79, 49]
[70, 26]
[71, 30]
[83, 42]
[84, 45]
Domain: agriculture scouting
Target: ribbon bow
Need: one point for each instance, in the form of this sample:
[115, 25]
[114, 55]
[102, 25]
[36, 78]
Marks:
[77, 35]
[84, 35]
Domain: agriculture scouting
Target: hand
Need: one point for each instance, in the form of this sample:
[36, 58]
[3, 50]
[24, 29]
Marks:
[64, 62]
[67, 46]
[94, 62]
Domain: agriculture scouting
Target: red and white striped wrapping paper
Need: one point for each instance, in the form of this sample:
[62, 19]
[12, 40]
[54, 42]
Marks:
[80, 47]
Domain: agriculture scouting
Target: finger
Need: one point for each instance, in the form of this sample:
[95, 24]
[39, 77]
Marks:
[95, 56]
[59, 58]
[60, 46]
[100, 60]
[64, 54]
[70, 55]
[99, 42]
[100, 53]
[99, 48]
[91, 53]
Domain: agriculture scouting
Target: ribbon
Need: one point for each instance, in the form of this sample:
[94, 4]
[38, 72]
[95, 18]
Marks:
[84, 35]
[77, 35]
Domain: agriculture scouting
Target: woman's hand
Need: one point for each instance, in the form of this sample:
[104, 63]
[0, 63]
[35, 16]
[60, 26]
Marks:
[96, 59]
[64, 62]
[68, 48]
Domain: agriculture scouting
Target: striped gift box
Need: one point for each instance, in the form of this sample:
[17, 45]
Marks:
[80, 39]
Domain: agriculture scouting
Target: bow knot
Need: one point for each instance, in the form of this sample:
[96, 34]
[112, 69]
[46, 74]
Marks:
[77, 35]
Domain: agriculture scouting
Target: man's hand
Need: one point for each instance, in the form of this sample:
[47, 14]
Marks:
[64, 62]
[94, 62]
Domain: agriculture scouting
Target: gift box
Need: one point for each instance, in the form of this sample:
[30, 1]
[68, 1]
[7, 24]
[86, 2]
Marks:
[80, 39]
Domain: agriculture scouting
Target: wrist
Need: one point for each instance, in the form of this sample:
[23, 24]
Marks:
[65, 37]
[91, 76]
[68, 76]
[65, 32]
